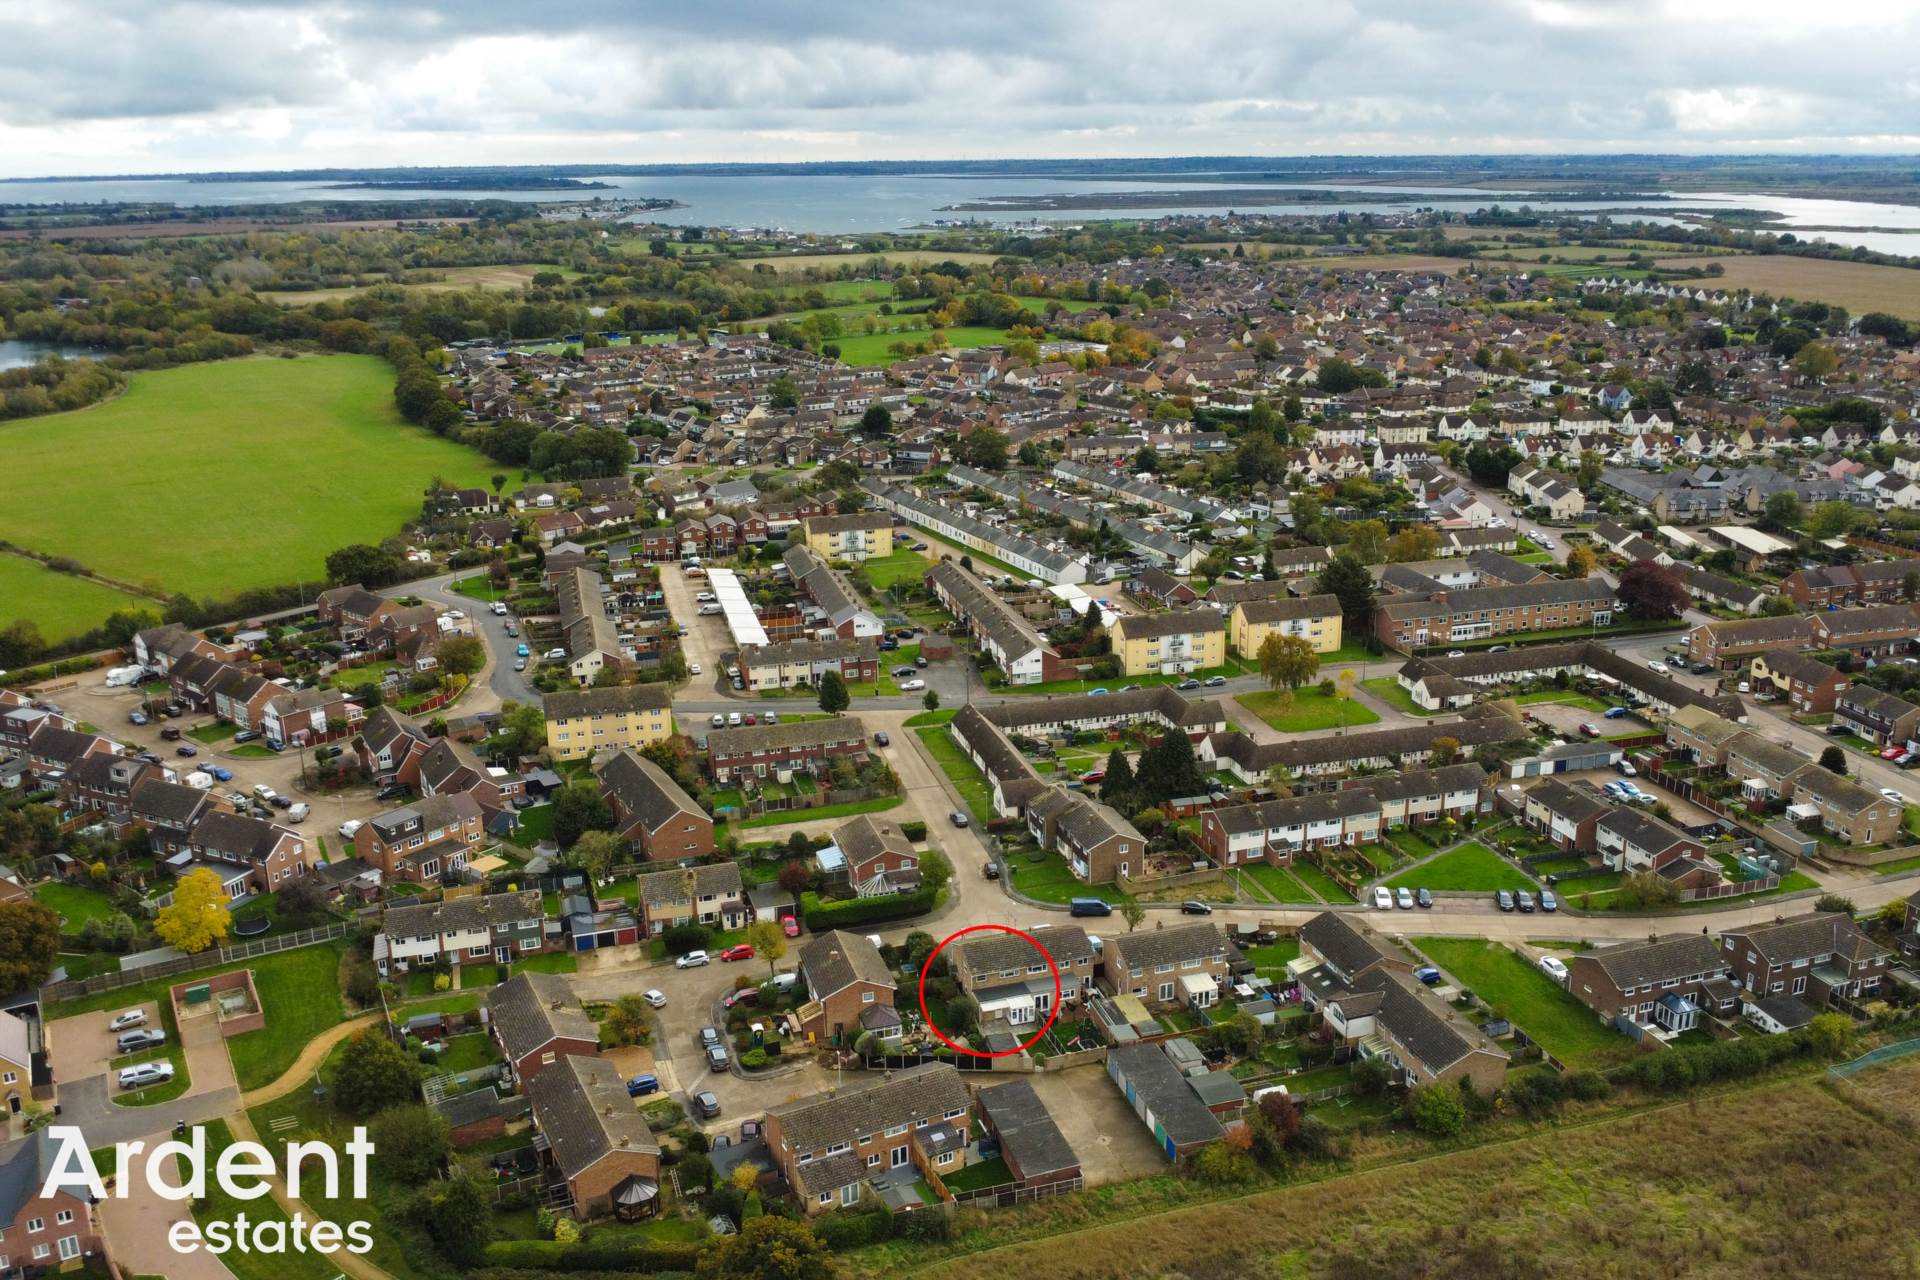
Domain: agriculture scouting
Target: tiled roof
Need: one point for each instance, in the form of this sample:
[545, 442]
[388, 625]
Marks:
[836, 960]
[534, 1009]
[926, 1092]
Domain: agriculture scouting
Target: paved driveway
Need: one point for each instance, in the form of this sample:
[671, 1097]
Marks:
[82, 1045]
[1102, 1129]
[136, 1230]
[207, 1060]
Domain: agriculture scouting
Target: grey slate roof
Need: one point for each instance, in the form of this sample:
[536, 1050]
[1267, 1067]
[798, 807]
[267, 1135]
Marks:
[644, 791]
[836, 960]
[582, 1107]
[459, 914]
[533, 1009]
[1175, 1106]
[659, 888]
[617, 699]
[1202, 941]
[925, 1092]
[1680, 955]
[995, 950]
[1342, 944]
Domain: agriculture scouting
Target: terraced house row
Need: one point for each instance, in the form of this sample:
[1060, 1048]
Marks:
[1275, 830]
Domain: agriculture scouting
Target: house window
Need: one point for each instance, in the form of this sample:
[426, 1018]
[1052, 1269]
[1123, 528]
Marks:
[63, 1217]
[866, 997]
[69, 1248]
[1166, 991]
[873, 1160]
[826, 1197]
[946, 1157]
[36, 1224]
[12, 1077]
[40, 1251]
[850, 1193]
[899, 1156]
[546, 1059]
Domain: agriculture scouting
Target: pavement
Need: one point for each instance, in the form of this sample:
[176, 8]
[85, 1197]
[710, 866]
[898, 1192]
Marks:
[136, 1230]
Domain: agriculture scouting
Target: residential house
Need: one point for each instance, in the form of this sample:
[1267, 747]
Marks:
[251, 855]
[1858, 815]
[1170, 643]
[1184, 964]
[652, 813]
[870, 857]
[1884, 719]
[1315, 619]
[583, 721]
[1407, 623]
[595, 1139]
[850, 988]
[1665, 981]
[1011, 978]
[1388, 1015]
[40, 1234]
[766, 751]
[1809, 686]
[1100, 846]
[1722, 644]
[422, 841]
[1815, 958]
[494, 928]
[537, 1020]
[804, 662]
[1565, 813]
[709, 894]
[837, 1148]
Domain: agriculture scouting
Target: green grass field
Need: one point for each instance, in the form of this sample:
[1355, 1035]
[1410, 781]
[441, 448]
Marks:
[1311, 709]
[1536, 1003]
[1472, 868]
[904, 565]
[1278, 883]
[59, 604]
[76, 903]
[216, 477]
[871, 348]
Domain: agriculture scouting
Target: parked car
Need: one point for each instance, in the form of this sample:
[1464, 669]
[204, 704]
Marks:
[691, 960]
[127, 1021]
[1677, 662]
[957, 818]
[298, 812]
[1554, 967]
[170, 734]
[186, 750]
[392, 791]
[1383, 898]
[1456, 653]
[1627, 770]
[1503, 900]
[281, 802]
[1214, 682]
[146, 1073]
[717, 1059]
[752, 718]
[136, 717]
[745, 995]
[739, 951]
[902, 671]
[1615, 713]
[350, 826]
[919, 661]
[217, 773]
[991, 870]
[1428, 974]
[521, 651]
[1403, 899]
[1548, 902]
[143, 1038]
[1095, 693]
[246, 735]
[693, 669]
[262, 790]
[1893, 795]
[1195, 907]
[1524, 900]
[499, 608]
[912, 686]
[709, 1037]
[642, 1085]
[1094, 775]
[1833, 730]
[1423, 898]
[881, 739]
[790, 925]
[519, 664]
[718, 720]
[733, 719]
[706, 1103]
[1188, 683]
[1590, 730]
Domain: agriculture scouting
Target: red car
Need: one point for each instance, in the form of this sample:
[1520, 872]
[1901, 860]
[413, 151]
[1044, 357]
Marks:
[743, 951]
[790, 926]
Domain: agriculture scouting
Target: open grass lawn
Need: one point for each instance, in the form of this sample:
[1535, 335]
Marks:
[1562, 698]
[1311, 709]
[300, 991]
[467, 1053]
[1278, 883]
[213, 731]
[509, 276]
[986, 1173]
[1472, 868]
[965, 775]
[219, 1206]
[1117, 683]
[1536, 1003]
[60, 604]
[1050, 880]
[1320, 882]
[1826, 1207]
[1388, 690]
[904, 565]
[536, 824]
[1274, 956]
[76, 903]
[189, 454]
[871, 348]
[548, 962]
[875, 805]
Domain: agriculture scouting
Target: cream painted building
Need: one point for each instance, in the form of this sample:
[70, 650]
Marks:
[1315, 619]
[863, 535]
[581, 721]
[1170, 643]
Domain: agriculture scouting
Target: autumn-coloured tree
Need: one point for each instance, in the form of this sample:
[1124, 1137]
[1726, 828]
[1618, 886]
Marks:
[198, 917]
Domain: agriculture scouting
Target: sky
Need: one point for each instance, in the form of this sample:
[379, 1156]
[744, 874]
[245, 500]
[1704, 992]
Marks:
[121, 86]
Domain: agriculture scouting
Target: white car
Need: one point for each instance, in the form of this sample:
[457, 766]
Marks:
[691, 960]
[1893, 795]
[139, 1077]
[1554, 967]
[693, 668]
[655, 998]
[350, 826]
[1383, 898]
[124, 1021]
[908, 686]
[262, 790]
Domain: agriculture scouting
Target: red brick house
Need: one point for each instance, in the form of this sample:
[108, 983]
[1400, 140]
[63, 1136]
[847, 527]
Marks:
[871, 857]
[652, 812]
[252, 855]
[423, 840]
[762, 751]
[830, 1148]
[1813, 957]
[537, 1020]
[40, 1234]
[850, 986]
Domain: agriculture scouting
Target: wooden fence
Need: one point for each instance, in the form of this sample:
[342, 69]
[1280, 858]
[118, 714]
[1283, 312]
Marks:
[73, 989]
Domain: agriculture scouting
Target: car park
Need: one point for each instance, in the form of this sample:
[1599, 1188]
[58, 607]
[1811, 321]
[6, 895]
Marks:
[1383, 898]
[127, 1021]
[1503, 900]
[1424, 898]
[1554, 967]
[642, 1085]
[1195, 907]
[1403, 898]
[691, 960]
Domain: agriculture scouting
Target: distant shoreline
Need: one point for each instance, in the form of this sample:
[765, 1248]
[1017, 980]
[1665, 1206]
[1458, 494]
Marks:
[473, 183]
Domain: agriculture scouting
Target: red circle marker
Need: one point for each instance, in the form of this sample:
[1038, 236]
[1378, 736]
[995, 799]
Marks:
[1023, 1046]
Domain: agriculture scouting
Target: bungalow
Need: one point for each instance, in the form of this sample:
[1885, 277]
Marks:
[1015, 783]
[870, 857]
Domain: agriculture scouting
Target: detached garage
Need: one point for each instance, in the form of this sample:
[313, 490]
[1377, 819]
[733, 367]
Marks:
[1570, 757]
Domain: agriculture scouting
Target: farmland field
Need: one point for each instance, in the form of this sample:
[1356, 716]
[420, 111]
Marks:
[61, 605]
[225, 476]
[834, 261]
[1599, 1200]
[492, 277]
[1857, 286]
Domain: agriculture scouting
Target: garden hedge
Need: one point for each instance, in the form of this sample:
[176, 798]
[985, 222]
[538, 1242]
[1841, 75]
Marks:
[821, 915]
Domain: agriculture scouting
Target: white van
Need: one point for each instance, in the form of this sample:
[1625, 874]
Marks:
[121, 677]
[299, 812]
